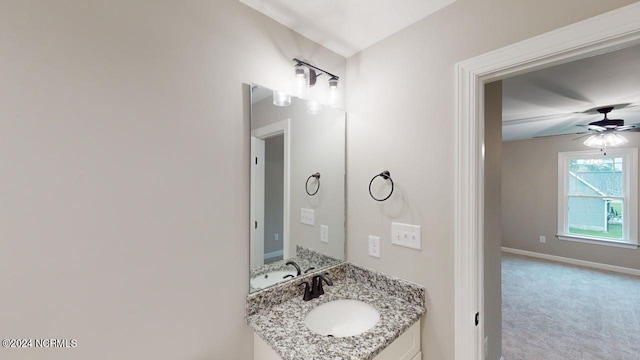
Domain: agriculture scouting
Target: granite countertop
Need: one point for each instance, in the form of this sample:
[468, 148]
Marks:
[308, 260]
[282, 325]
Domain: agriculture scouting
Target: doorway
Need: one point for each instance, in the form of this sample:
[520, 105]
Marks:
[270, 169]
[586, 38]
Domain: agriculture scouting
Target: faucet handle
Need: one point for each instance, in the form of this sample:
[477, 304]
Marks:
[307, 291]
[309, 269]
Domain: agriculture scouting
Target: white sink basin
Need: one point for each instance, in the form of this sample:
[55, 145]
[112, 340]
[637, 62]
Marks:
[341, 318]
[270, 278]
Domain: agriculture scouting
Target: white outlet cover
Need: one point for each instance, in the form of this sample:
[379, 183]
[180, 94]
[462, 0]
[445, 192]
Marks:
[406, 235]
[374, 246]
[307, 216]
[324, 234]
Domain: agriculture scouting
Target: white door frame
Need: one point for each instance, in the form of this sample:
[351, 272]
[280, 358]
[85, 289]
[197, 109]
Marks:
[256, 253]
[607, 32]
[257, 250]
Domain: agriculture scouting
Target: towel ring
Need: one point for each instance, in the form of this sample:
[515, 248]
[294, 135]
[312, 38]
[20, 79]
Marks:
[306, 185]
[385, 175]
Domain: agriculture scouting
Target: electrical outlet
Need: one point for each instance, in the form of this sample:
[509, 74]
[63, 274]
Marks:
[406, 235]
[307, 216]
[543, 239]
[324, 234]
[276, 236]
[374, 246]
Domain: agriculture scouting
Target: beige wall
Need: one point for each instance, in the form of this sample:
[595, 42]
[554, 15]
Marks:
[401, 118]
[493, 219]
[124, 148]
[124, 196]
[530, 201]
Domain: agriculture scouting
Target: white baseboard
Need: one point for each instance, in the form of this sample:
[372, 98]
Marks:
[273, 254]
[595, 265]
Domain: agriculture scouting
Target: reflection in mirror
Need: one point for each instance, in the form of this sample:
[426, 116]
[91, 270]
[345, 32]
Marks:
[297, 187]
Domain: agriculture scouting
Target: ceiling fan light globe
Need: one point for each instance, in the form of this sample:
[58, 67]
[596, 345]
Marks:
[614, 139]
[605, 140]
[595, 141]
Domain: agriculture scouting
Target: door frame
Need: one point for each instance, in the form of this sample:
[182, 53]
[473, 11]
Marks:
[279, 128]
[607, 32]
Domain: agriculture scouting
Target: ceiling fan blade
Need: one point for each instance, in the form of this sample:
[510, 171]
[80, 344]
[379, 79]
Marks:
[552, 135]
[593, 127]
[582, 137]
[628, 127]
[637, 129]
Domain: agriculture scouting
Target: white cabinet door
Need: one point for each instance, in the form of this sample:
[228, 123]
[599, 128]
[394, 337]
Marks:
[405, 347]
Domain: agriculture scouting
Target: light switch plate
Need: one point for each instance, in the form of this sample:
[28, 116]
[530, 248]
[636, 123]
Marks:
[324, 233]
[406, 235]
[374, 246]
[307, 216]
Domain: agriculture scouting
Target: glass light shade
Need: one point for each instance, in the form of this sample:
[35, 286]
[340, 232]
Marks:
[313, 107]
[301, 79]
[334, 93]
[281, 99]
[300, 73]
[333, 83]
[611, 139]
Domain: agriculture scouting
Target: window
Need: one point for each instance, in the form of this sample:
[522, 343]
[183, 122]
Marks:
[598, 196]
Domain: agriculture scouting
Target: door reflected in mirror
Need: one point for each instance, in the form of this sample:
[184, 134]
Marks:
[297, 187]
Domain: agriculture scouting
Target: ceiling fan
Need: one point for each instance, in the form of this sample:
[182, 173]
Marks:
[609, 125]
[604, 133]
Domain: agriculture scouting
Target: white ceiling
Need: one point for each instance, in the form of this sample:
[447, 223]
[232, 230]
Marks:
[547, 102]
[554, 100]
[347, 26]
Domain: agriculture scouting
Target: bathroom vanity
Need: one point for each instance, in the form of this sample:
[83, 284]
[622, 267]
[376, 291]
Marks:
[297, 237]
[279, 317]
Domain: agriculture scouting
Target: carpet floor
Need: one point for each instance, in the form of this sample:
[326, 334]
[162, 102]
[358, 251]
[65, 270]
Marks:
[554, 311]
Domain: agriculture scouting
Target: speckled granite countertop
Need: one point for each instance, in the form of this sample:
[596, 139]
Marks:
[282, 325]
[307, 259]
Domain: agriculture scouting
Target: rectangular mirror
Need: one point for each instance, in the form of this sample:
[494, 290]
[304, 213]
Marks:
[297, 187]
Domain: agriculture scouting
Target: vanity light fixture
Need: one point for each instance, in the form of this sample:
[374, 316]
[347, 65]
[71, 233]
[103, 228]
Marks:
[281, 98]
[307, 75]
